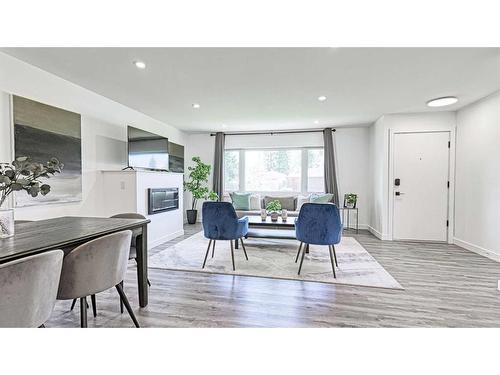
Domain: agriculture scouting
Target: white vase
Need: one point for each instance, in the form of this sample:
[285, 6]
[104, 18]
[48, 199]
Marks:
[263, 214]
[6, 222]
[284, 214]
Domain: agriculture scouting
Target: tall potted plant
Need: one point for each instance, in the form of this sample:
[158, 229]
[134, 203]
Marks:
[198, 179]
[23, 174]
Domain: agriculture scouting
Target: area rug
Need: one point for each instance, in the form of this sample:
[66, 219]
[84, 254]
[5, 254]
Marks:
[274, 258]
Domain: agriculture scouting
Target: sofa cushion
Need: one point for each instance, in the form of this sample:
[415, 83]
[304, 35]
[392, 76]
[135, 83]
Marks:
[242, 213]
[255, 202]
[321, 198]
[287, 203]
[301, 199]
[241, 201]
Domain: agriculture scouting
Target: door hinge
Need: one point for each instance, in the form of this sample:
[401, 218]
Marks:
[449, 144]
[447, 223]
[448, 184]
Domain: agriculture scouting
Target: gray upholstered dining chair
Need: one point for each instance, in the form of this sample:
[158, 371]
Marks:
[94, 267]
[28, 289]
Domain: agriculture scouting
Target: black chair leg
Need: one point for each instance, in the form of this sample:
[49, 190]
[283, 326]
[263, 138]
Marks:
[298, 253]
[243, 247]
[331, 260]
[232, 254]
[83, 312]
[123, 297]
[206, 254]
[213, 249]
[121, 300]
[42, 326]
[94, 305]
[335, 255]
[306, 248]
[73, 304]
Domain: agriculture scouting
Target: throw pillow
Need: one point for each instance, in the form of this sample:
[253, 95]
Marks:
[255, 202]
[241, 201]
[301, 199]
[287, 203]
[321, 198]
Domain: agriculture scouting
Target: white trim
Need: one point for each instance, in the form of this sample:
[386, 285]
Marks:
[164, 239]
[477, 249]
[376, 233]
[451, 178]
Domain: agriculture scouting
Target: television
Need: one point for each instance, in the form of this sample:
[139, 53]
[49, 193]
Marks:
[147, 150]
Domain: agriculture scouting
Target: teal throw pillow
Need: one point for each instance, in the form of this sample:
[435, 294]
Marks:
[241, 201]
[321, 198]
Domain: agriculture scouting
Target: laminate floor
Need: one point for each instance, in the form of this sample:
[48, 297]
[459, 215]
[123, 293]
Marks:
[445, 286]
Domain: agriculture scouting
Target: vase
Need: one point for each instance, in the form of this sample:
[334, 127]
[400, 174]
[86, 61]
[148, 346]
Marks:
[274, 216]
[6, 222]
[284, 214]
[263, 214]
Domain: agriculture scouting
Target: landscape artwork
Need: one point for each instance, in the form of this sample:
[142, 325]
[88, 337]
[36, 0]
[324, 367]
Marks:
[42, 132]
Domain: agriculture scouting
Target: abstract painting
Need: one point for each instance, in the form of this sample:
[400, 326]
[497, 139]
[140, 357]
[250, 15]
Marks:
[42, 132]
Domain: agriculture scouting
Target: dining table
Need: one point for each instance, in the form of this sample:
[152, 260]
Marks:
[69, 231]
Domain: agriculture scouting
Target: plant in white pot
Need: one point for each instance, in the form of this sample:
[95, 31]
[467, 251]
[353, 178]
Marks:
[23, 174]
[274, 207]
[198, 176]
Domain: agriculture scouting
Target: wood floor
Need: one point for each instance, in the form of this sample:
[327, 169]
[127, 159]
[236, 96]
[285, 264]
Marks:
[445, 286]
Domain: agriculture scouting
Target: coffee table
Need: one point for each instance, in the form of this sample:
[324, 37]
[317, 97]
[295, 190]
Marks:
[257, 228]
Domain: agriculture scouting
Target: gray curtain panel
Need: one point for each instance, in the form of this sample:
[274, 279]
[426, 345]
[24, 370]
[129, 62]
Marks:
[331, 184]
[218, 184]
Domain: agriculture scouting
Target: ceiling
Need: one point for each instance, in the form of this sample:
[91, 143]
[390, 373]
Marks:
[274, 88]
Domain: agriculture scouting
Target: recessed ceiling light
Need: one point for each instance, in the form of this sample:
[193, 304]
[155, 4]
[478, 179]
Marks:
[322, 98]
[441, 102]
[140, 64]
[196, 105]
[316, 122]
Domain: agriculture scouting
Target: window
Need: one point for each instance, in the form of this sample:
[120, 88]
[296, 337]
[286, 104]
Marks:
[232, 170]
[291, 170]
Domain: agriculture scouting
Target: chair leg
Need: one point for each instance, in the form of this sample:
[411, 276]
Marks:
[121, 300]
[42, 326]
[335, 255]
[232, 253]
[123, 297]
[213, 249]
[73, 304]
[94, 305]
[331, 260]
[298, 253]
[83, 312]
[206, 255]
[243, 247]
[306, 248]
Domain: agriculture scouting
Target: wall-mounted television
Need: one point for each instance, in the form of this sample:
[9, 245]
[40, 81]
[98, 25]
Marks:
[147, 150]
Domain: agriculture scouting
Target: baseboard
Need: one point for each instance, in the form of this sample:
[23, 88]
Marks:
[164, 239]
[477, 249]
[376, 233]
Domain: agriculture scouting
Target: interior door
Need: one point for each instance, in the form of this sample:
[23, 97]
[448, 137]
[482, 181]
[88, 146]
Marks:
[421, 186]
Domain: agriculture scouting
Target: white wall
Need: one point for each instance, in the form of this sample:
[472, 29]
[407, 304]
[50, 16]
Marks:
[352, 156]
[477, 193]
[104, 125]
[380, 145]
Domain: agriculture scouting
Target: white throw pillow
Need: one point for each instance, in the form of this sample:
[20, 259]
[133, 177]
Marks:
[255, 202]
[301, 199]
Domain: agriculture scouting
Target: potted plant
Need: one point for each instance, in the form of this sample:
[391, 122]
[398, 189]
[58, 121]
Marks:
[350, 200]
[23, 174]
[198, 176]
[273, 208]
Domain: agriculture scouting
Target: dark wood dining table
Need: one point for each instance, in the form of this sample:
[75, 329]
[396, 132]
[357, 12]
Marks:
[43, 235]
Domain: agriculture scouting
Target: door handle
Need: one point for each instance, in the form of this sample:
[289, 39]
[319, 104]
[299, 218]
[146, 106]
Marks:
[398, 193]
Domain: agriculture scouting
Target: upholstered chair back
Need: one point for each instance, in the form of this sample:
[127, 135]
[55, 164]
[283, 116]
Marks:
[220, 221]
[319, 224]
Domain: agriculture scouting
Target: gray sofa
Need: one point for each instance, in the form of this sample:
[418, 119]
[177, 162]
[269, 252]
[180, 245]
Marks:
[290, 203]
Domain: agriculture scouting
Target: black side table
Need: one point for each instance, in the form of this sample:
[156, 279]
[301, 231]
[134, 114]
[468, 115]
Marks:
[346, 212]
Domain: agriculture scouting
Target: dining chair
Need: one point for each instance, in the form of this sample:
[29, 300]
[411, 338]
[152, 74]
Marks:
[28, 289]
[132, 255]
[220, 222]
[318, 224]
[94, 267]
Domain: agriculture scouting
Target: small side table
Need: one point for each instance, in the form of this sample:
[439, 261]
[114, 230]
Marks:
[343, 217]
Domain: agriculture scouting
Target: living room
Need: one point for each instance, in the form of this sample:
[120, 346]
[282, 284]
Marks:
[243, 185]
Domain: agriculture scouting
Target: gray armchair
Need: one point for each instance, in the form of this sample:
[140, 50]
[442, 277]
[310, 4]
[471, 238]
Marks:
[28, 289]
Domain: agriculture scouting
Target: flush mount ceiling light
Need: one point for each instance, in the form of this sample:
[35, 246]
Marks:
[441, 102]
[140, 64]
[196, 105]
[322, 98]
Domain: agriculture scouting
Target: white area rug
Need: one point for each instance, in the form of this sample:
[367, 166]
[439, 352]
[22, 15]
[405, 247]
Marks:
[276, 259]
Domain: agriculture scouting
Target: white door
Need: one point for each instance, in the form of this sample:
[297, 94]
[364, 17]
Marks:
[420, 186]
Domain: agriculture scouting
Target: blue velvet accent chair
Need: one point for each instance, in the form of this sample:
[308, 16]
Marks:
[318, 224]
[220, 222]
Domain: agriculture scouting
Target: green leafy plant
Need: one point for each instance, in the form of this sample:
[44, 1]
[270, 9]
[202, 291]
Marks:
[198, 176]
[273, 206]
[350, 199]
[24, 174]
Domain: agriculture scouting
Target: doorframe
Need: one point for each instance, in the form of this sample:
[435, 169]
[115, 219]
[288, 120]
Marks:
[451, 177]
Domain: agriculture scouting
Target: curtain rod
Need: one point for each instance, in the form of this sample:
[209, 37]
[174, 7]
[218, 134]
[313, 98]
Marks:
[275, 133]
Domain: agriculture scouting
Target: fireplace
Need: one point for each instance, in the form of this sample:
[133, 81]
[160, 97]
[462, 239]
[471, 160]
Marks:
[162, 199]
